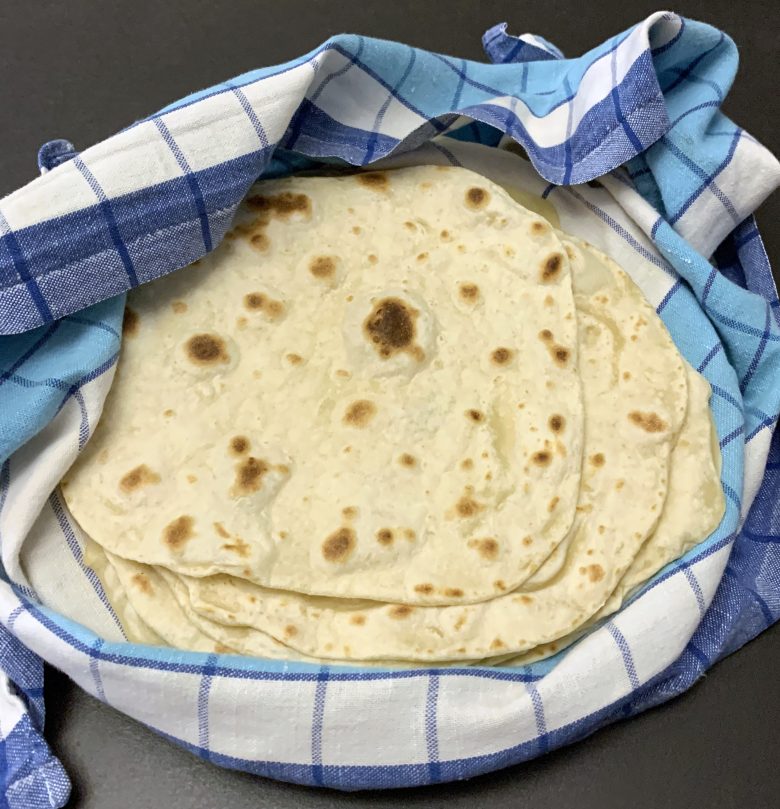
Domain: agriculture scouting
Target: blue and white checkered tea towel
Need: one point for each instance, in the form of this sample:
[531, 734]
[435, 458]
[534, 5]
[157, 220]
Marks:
[162, 192]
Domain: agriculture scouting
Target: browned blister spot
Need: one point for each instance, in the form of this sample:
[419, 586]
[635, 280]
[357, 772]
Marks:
[502, 356]
[552, 504]
[467, 506]
[390, 327]
[487, 548]
[357, 230]
[141, 581]
[602, 529]
[497, 644]
[137, 478]
[626, 375]
[422, 256]
[527, 541]
[499, 585]
[238, 547]
[349, 512]
[372, 259]
[545, 335]
[539, 227]
[425, 589]
[282, 205]
[221, 649]
[338, 547]
[477, 198]
[541, 458]
[556, 423]
[460, 622]
[359, 413]
[358, 619]
[469, 292]
[192, 479]
[445, 234]
[168, 413]
[207, 349]
[453, 592]
[620, 484]
[467, 464]
[130, 323]
[290, 631]
[258, 302]
[385, 536]
[179, 307]
[410, 534]
[551, 268]
[294, 359]
[260, 241]
[249, 476]
[525, 599]
[323, 267]
[375, 180]
[598, 459]
[239, 444]
[475, 415]
[177, 533]
[221, 531]
[649, 422]
[401, 611]
[407, 460]
[560, 355]
[595, 572]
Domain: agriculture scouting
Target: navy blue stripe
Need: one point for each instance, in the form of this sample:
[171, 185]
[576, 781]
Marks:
[763, 606]
[203, 706]
[370, 150]
[625, 652]
[710, 355]
[694, 583]
[744, 328]
[22, 271]
[753, 536]
[672, 42]
[252, 115]
[39, 343]
[702, 106]
[753, 367]
[732, 435]
[708, 285]
[192, 182]
[540, 719]
[669, 295]
[615, 94]
[699, 655]
[683, 73]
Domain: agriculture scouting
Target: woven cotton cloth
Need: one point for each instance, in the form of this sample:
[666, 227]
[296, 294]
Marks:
[161, 193]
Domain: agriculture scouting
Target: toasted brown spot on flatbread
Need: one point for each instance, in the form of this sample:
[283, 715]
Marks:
[192, 479]
[422, 256]
[407, 460]
[551, 268]
[249, 476]
[593, 572]
[541, 458]
[425, 588]
[137, 478]
[445, 234]
[239, 444]
[283, 205]
[322, 267]
[499, 585]
[221, 531]
[358, 619]
[649, 422]
[357, 230]
[179, 307]
[390, 327]
[487, 548]
[142, 583]
[469, 292]
[602, 529]
[238, 547]
[497, 644]
[385, 536]
[177, 533]
[349, 512]
[130, 323]
[221, 649]
[459, 623]
[207, 349]
[372, 259]
[290, 631]
[556, 423]
[359, 413]
[168, 413]
[410, 534]
[453, 592]
[375, 180]
[539, 227]
[401, 611]
[475, 415]
[527, 541]
[501, 356]
[477, 198]
[467, 463]
[552, 504]
[545, 335]
[294, 359]
[619, 484]
[260, 241]
[560, 355]
[467, 506]
[338, 547]
[626, 375]
[598, 459]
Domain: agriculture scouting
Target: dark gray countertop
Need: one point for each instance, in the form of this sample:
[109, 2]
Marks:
[82, 71]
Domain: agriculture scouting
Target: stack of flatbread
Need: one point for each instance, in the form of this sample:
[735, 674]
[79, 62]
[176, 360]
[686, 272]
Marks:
[395, 418]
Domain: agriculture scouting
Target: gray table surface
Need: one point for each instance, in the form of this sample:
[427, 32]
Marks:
[82, 70]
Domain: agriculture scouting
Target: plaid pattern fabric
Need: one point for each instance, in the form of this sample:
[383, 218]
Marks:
[162, 193]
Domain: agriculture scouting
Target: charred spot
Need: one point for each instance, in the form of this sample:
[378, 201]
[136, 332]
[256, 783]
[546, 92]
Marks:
[179, 307]
[649, 422]
[255, 301]
[541, 458]
[501, 356]
[220, 529]
[467, 506]
[551, 267]
[556, 423]
[401, 611]
[322, 267]
[487, 548]
[260, 241]
[142, 583]
[475, 415]
[177, 533]
[238, 546]
[338, 547]
[239, 444]
[469, 292]
[359, 413]
[424, 589]
[477, 197]
[357, 619]
[453, 592]
[597, 459]
[390, 327]
[376, 180]
[249, 476]
[136, 478]
[539, 227]
[207, 349]
[130, 323]
[408, 460]
[385, 536]
[282, 205]
[560, 355]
